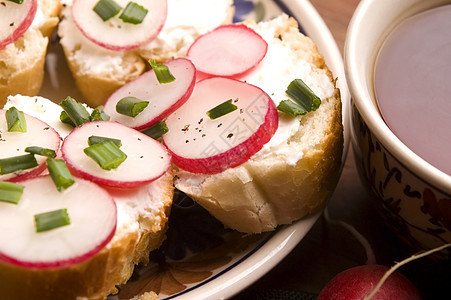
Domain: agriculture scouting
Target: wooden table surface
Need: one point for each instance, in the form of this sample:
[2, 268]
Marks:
[328, 249]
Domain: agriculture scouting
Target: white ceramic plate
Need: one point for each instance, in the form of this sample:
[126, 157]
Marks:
[240, 260]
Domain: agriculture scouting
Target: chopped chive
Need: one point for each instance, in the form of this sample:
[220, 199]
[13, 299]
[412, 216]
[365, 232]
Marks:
[106, 154]
[221, 109]
[291, 108]
[106, 9]
[99, 115]
[94, 139]
[131, 106]
[16, 120]
[10, 192]
[157, 130]
[162, 72]
[303, 95]
[52, 219]
[41, 151]
[17, 163]
[133, 13]
[60, 174]
[16, 1]
[64, 117]
[75, 111]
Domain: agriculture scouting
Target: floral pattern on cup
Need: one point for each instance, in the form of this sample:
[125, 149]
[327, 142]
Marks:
[417, 212]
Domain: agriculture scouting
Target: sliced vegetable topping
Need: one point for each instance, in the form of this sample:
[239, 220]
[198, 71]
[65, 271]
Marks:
[106, 9]
[163, 98]
[291, 108]
[138, 24]
[202, 145]
[76, 112]
[52, 219]
[228, 50]
[93, 221]
[303, 95]
[131, 106]
[60, 174]
[99, 115]
[133, 13]
[10, 192]
[16, 120]
[106, 154]
[15, 18]
[147, 159]
[157, 130]
[162, 72]
[15, 163]
[221, 109]
[94, 139]
[41, 151]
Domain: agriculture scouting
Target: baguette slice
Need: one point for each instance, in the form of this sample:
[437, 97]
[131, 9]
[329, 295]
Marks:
[98, 72]
[296, 172]
[22, 62]
[142, 220]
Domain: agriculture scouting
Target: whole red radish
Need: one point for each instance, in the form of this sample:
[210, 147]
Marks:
[358, 282]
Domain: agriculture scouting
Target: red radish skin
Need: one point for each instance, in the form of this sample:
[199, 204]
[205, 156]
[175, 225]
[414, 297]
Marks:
[164, 98]
[228, 50]
[93, 224]
[146, 160]
[14, 143]
[114, 34]
[200, 145]
[15, 19]
[358, 282]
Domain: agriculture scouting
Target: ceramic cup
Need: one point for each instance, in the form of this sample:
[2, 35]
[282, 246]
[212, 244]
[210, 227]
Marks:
[412, 196]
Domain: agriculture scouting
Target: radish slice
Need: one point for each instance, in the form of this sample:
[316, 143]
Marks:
[14, 143]
[15, 20]
[201, 145]
[228, 50]
[164, 98]
[114, 34]
[146, 159]
[92, 224]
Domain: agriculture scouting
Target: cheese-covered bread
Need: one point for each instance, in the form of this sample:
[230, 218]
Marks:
[297, 170]
[99, 71]
[22, 62]
[142, 215]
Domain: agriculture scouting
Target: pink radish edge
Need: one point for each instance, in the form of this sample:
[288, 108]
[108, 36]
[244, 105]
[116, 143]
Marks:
[24, 25]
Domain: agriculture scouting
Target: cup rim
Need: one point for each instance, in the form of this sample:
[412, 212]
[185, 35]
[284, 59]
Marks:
[370, 114]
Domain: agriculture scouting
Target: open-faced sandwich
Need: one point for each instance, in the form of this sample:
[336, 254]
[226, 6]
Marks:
[244, 118]
[25, 28]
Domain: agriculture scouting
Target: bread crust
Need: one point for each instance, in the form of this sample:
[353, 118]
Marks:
[22, 62]
[97, 277]
[268, 191]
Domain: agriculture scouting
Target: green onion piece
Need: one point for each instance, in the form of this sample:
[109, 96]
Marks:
[16, 120]
[131, 106]
[64, 117]
[16, 1]
[95, 139]
[99, 115]
[157, 130]
[17, 163]
[222, 109]
[60, 174]
[162, 72]
[303, 95]
[106, 154]
[106, 9]
[75, 111]
[291, 108]
[133, 13]
[10, 192]
[41, 151]
[52, 219]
